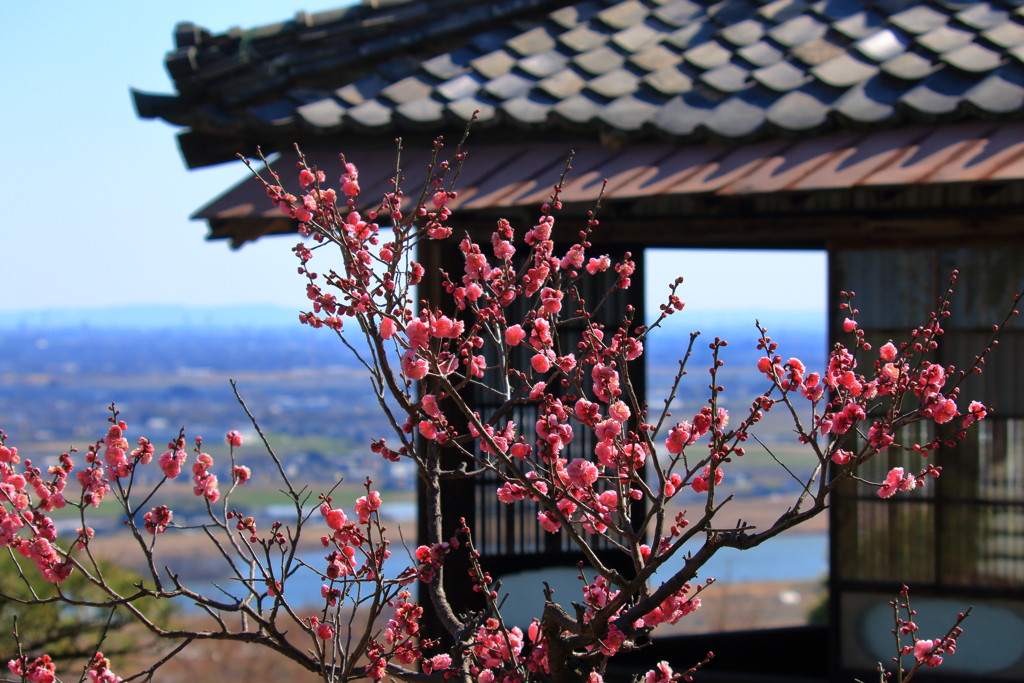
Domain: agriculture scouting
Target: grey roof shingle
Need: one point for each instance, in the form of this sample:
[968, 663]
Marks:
[781, 76]
[732, 69]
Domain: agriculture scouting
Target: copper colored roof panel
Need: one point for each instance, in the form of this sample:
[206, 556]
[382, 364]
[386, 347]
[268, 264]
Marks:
[487, 161]
[792, 164]
[855, 163]
[518, 176]
[730, 168]
[588, 158]
[1003, 146]
[922, 159]
[501, 175]
[618, 169]
[674, 168]
[1013, 170]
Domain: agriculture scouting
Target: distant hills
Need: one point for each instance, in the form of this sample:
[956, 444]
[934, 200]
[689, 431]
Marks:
[154, 317]
[252, 316]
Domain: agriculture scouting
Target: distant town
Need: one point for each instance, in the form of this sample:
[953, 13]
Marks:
[308, 392]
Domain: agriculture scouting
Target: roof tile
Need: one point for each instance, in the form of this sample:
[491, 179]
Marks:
[637, 37]
[679, 13]
[465, 85]
[859, 25]
[781, 11]
[532, 42]
[450, 64]
[623, 15]
[727, 78]
[628, 113]
[973, 58]
[707, 55]
[744, 32]
[527, 109]
[655, 57]
[871, 101]
[360, 91]
[582, 39]
[694, 34]
[982, 15]
[941, 93]
[669, 80]
[944, 39]
[816, 51]
[574, 15]
[760, 53]
[919, 19]
[843, 71]
[544, 63]
[507, 86]
[578, 109]
[600, 60]
[883, 45]
[780, 77]
[1000, 93]
[563, 84]
[326, 113]
[1005, 35]
[735, 118]
[493, 64]
[464, 109]
[421, 110]
[614, 83]
[909, 66]
[683, 114]
[797, 111]
[406, 90]
[798, 30]
[371, 114]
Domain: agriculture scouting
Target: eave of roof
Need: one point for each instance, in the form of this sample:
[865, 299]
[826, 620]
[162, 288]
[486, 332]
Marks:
[499, 178]
[679, 70]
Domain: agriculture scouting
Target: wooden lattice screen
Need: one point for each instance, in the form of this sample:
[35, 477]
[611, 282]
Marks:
[962, 535]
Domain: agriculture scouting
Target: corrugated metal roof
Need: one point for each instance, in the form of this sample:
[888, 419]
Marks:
[503, 176]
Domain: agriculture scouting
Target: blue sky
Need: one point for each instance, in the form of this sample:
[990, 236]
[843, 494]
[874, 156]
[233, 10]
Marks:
[98, 200]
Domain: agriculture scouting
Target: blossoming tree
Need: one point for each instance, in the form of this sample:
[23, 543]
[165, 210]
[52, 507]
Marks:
[502, 331]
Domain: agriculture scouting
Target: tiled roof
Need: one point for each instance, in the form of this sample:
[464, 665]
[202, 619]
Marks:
[679, 69]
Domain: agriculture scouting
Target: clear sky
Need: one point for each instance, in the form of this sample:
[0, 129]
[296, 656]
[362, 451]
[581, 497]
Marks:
[98, 201]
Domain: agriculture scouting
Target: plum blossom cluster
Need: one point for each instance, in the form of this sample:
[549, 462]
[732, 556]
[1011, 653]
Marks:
[563, 430]
[43, 670]
[923, 652]
[29, 493]
[862, 408]
[502, 328]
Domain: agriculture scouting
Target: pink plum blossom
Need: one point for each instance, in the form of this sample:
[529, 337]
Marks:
[892, 483]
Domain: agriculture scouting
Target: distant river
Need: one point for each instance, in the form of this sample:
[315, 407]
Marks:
[790, 557]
